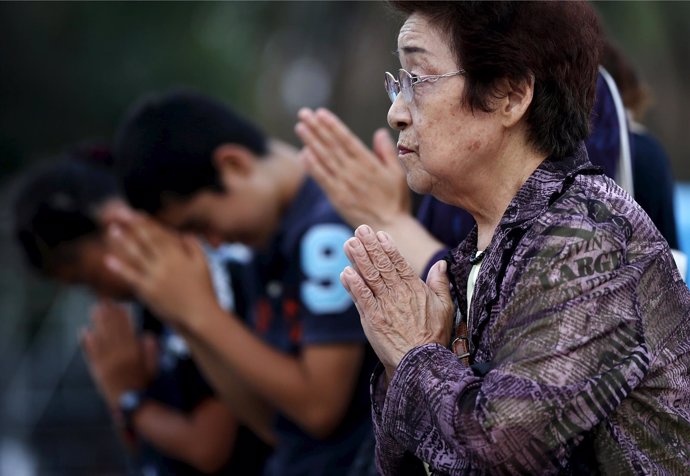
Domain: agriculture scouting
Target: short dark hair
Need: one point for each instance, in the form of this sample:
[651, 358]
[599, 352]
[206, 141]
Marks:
[57, 204]
[558, 43]
[164, 147]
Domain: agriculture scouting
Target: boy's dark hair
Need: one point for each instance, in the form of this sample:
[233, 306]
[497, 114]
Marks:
[557, 42]
[57, 204]
[164, 147]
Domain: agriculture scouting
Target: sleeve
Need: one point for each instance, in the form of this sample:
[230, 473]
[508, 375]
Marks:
[448, 224]
[197, 383]
[568, 349]
[439, 255]
[327, 312]
[391, 456]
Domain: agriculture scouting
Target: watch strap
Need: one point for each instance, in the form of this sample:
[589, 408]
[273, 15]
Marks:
[129, 403]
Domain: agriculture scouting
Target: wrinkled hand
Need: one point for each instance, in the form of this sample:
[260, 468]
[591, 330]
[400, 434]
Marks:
[363, 186]
[168, 271]
[118, 360]
[398, 311]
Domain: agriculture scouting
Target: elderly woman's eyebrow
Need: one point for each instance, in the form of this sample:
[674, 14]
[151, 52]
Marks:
[408, 50]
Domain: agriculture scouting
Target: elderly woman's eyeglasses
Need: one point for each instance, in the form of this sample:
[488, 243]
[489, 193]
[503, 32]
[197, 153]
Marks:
[407, 81]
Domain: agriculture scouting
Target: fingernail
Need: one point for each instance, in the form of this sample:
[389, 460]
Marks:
[365, 230]
[443, 266]
[115, 231]
[383, 237]
[343, 279]
[354, 242]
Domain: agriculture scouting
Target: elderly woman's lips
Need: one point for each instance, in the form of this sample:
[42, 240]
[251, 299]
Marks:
[403, 150]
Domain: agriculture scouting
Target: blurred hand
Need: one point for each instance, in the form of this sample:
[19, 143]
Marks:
[398, 311]
[364, 186]
[118, 360]
[169, 272]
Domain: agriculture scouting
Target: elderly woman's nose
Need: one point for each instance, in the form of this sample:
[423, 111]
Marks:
[399, 114]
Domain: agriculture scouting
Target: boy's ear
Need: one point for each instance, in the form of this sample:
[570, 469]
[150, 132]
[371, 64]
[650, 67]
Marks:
[233, 159]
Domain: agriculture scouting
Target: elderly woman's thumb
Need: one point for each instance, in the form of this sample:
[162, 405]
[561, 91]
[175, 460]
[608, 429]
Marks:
[437, 280]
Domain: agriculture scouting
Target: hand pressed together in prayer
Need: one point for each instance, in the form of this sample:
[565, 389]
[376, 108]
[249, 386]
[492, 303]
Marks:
[365, 186]
[168, 271]
[398, 310]
[118, 359]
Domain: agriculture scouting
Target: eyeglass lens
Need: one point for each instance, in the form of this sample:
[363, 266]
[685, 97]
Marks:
[394, 86]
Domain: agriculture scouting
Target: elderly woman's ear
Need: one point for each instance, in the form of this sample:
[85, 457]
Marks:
[514, 99]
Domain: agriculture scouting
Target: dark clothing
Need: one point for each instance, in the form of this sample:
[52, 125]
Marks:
[653, 182]
[604, 141]
[579, 338]
[448, 224]
[300, 302]
[180, 385]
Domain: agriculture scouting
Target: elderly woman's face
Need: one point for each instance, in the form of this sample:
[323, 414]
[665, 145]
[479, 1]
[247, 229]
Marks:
[442, 144]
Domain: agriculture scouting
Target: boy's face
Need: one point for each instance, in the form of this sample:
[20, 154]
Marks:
[220, 217]
[86, 266]
[246, 211]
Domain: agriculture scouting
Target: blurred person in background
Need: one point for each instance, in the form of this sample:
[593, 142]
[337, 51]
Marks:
[299, 372]
[168, 416]
[652, 174]
[565, 345]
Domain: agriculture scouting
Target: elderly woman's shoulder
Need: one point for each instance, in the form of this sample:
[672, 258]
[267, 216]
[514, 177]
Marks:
[597, 204]
[592, 220]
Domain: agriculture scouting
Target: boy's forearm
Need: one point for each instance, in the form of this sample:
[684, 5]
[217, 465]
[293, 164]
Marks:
[186, 437]
[249, 362]
[287, 383]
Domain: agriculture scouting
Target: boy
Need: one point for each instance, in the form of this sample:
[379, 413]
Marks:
[198, 167]
[170, 418]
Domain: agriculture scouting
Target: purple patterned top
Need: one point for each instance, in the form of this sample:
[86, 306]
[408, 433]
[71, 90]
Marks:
[580, 343]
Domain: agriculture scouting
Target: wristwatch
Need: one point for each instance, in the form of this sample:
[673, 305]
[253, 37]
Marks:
[128, 403]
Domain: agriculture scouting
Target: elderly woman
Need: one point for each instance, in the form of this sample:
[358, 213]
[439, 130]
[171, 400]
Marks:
[564, 346]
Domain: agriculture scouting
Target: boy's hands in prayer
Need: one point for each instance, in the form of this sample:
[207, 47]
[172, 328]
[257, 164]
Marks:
[118, 359]
[168, 271]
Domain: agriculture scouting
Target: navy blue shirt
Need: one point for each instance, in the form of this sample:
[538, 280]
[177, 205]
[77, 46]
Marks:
[653, 181]
[300, 301]
[180, 385]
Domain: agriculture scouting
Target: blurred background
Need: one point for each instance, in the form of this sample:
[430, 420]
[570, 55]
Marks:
[69, 71]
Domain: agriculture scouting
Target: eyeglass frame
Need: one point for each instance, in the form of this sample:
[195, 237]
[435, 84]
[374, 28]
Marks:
[408, 92]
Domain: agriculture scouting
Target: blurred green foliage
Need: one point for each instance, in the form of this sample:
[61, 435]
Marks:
[69, 69]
